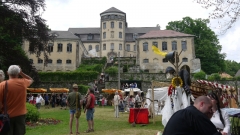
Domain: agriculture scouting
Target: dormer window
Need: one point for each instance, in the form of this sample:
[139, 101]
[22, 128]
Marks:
[90, 37]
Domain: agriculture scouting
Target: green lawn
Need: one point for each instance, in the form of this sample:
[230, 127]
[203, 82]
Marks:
[105, 123]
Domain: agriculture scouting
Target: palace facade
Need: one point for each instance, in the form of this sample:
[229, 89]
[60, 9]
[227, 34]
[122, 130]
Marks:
[114, 37]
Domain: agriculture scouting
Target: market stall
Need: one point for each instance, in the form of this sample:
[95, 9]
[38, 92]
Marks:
[59, 90]
[36, 90]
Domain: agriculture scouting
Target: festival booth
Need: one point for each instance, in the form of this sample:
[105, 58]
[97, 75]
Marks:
[111, 91]
[59, 90]
[160, 95]
[36, 90]
[132, 91]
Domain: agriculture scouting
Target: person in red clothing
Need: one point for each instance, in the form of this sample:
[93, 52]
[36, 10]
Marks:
[16, 99]
[90, 110]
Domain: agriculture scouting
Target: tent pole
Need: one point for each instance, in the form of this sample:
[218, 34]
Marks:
[153, 109]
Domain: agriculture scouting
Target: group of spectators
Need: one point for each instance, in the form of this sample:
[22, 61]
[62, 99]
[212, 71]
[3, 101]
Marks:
[131, 85]
[52, 99]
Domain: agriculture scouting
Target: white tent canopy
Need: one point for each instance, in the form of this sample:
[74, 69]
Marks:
[160, 94]
[134, 90]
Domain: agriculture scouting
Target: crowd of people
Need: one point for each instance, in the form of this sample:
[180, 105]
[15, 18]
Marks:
[205, 116]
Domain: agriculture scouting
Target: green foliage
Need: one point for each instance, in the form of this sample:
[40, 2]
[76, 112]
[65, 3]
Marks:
[94, 67]
[200, 75]
[32, 113]
[238, 78]
[206, 43]
[89, 61]
[83, 88]
[68, 76]
[214, 77]
[231, 67]
[112, 70]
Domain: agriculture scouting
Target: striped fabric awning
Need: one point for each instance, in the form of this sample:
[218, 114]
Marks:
[214, 84]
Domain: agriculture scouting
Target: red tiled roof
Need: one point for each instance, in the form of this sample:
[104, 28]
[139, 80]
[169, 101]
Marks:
[164, 33]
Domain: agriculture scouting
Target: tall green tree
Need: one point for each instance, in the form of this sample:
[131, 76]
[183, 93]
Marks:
[232, 67]
[19, 21]
[207, 47]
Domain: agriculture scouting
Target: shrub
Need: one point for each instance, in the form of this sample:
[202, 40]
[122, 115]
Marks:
[200, 75]
[112, 70]
[214, 77]
[83, 89]
[32, 113]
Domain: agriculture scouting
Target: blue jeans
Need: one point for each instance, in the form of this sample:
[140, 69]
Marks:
[89, 114]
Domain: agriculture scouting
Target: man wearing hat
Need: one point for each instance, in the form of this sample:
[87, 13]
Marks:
[72, 102]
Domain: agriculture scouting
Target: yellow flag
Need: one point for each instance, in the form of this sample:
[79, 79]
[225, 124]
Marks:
[157, 51]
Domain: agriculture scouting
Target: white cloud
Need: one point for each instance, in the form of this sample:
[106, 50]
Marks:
[64, 14]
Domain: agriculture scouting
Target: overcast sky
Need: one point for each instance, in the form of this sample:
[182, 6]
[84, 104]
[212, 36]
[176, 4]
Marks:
[64, 14]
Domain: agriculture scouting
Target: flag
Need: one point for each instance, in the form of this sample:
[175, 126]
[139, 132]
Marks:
[157, 51]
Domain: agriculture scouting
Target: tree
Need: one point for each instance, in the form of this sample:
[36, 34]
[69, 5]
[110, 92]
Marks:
[200, 75]
[207, 47]
[226, 11]
[20, 21]
[232, 67]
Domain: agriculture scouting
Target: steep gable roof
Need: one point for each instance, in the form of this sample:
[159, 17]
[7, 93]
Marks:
[164, 33]
[113, 10]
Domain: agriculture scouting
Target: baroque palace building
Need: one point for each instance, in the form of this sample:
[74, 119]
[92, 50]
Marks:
[114, 37]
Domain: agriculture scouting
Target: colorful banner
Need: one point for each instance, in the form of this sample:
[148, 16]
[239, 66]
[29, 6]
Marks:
[157, 51]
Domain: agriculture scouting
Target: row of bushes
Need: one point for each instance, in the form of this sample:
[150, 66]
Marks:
[89, 61]
[95, 67]
[68, 76]
[213, 77]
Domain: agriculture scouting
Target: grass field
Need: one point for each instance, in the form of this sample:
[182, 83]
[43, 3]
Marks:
[105, 123]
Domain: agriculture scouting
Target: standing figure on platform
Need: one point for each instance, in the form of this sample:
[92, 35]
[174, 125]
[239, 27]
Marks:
[220, 117]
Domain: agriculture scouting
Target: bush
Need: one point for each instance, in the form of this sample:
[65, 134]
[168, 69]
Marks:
[83, 89]
[200, 75]
[214, 77]
[112, 70]
[32, 113]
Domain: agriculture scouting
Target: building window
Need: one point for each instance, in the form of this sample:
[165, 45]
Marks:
[89, 47]
[174, 45]
[69, 47]
[155, 44]
[59, 61]
[97, 48]
[90, 37]
[128, 47]
[40, 61]
[135, 36]
[120, 46]
[120, 25]
[120, 34]
[112, 24]
[59, 47]
[40, 48]
[184, 45]
[184, 59]
[146, 71]
[68, 61]
[104, 46]
[31, 61]
[49, 61]
[112, 34]
[104, 25]
[164, 60]
[134, 48]
[112, 16]
[164, 46]
[104, 35]
[50, 47]
[112, 46]
[31, 48]
[145, 61]
[145, 46]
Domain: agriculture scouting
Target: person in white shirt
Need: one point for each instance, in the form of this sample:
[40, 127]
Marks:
[116, 100]
[220, 117]
[39, 100]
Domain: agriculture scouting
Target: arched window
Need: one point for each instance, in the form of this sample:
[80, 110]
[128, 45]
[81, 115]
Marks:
[89, 47]
[184, 45]
[49, 61]
[59, 61]
[31, 61]
[68, 61]
[112, 24]
[97, 48]
[50, 47]
[174, 45]
[155, 44]
[184, 59]
[59, 47]
[155, 60]
[145, 46]
[69, 47]
[120, 25]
